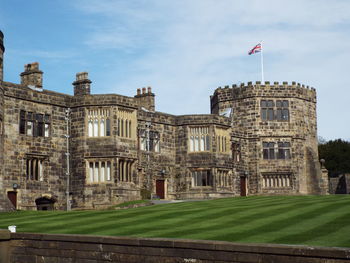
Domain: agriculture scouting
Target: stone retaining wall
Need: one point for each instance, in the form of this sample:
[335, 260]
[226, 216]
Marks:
[28, 248]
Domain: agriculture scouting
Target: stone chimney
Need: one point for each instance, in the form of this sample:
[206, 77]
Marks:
[32, 75]
[82, 84]
[145, 99]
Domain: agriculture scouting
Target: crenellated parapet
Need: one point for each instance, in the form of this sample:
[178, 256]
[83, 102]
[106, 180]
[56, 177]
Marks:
[223, 97]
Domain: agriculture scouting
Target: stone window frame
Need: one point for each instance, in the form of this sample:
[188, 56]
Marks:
[126, 123]
[268, 150]
[284, 149]
[126, 169]
[277, 150]
[202, 178]
[199, 139]
[277, 180]
[236, 152]
[222, 136]
[34, 124]
[222, 178]
[153, 145]
[34, 167]
[274, 110]
[98, 122]
[104, 168]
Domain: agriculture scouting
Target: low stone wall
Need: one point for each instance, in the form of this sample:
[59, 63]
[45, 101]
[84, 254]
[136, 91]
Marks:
[29, 248]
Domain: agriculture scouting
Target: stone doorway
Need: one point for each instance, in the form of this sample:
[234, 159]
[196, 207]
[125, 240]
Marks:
[160, 189]
[243, 186]
[12, 196]
[44, 203]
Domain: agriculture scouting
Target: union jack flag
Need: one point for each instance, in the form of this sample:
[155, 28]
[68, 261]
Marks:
[255, 49]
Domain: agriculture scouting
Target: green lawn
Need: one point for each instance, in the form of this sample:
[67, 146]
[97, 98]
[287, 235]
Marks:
[309, 220]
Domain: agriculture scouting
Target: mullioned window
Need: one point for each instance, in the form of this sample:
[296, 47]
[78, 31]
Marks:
[99, 122]
[274, 110]
[34, 124]
[199, 139]
[99, 171]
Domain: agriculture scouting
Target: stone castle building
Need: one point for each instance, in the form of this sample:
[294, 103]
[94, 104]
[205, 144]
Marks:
[95, 150]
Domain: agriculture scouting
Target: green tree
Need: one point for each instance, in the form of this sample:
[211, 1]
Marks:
[337, 156]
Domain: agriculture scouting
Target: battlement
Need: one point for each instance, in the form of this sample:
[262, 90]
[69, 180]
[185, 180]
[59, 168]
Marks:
[223, 96]
[275, 84]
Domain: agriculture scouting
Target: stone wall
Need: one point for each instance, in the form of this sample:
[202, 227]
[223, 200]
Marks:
[19, 148]
[250, 131]
[28, 248]
[339, 184]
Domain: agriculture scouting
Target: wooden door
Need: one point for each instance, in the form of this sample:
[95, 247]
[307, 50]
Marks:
[12, 195]
[243, 186]
[160, 188]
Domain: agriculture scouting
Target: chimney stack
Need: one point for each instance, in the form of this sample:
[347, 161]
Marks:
[82, 84]
[145, 99]
[32, 75]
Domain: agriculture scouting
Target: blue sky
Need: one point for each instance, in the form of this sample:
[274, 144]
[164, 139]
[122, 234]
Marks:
[184, 49]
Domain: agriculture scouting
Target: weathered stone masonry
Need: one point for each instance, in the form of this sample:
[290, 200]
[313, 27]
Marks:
[260, 138]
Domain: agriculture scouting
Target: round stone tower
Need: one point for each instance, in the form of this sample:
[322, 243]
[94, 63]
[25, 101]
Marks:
[274, 130]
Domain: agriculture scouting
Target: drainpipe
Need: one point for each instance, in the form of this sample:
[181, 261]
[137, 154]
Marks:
[148, 126]
[68, 111]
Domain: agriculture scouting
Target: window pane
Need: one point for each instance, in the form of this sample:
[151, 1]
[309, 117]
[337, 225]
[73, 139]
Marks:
[191, 144]
[196, 144]
[285, 103]
[102, 172]
[278, 103]
[285, 114]
[270, 114]
[40, 129]
[96, 174]
[202, 143]
[90, 131]
[108, 127]
[47, 130]
[22, 114]
[30, 116]
[108, 177]
[263, 103]
[95, 128]
[41, 178]
[39, 117]
[102, 127]
[281, 154]
[22, 126]
[91, 170]
[265, 154]
[287, 153]
[29, 128]
[207, 142]
[279, 114]
[47, 118]
[270, 103]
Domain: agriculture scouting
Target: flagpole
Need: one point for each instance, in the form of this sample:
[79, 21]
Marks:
[262, 63]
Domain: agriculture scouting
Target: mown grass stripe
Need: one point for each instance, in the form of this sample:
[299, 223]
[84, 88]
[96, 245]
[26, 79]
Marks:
[310, 220]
